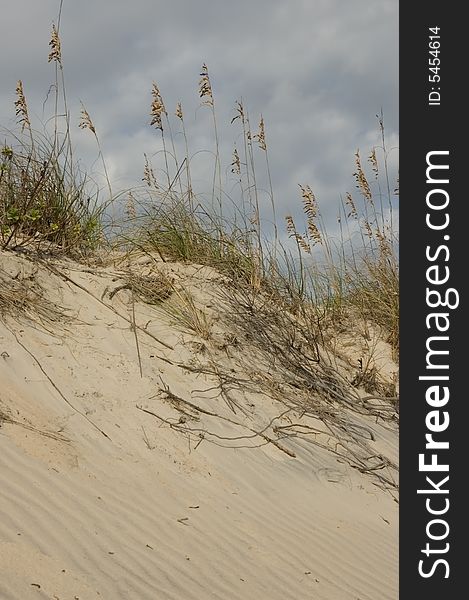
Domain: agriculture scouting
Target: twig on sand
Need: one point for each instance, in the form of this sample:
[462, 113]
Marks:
[147, 441]
[134, 329]
[54, 385]
[60, 273]
[194, 407]
[48, 434]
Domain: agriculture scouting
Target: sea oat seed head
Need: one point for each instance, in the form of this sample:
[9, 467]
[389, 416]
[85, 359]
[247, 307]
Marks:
[360, 177]
[178, 112]
[22, 107]
[290, 224]
[260, 136]
[309, 200]
[374, 162]
[130, 207]
[314, 233]
[157, 108]
[205, 87]
[368, 229]
[351, 204]
[236, 163]
[56, 50]
[148, 174]
[85, 121]
[291, 230]
[240, 112]
[310, 208]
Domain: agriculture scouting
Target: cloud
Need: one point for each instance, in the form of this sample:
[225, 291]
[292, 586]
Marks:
[318, 70]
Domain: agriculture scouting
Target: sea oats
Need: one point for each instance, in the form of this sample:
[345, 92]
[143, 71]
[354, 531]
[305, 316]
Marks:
[85, 120]
[254, 219]
[130, 207]
[309, 201]
[292, 232]
[178, 112]
[314, 233]
[205, 87]
[149, 175]
[374, 163]
[56, 50]
[351, 204]
[157, 108]
[21, 107]
[260, 136]
[310, 208]
[236, 163]
[368, 229]
[360, 177]
[239, 111]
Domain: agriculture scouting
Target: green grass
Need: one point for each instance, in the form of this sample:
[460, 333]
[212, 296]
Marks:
[44, 201]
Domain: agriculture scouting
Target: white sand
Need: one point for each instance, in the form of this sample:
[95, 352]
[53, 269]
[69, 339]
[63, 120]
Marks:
[144, 513]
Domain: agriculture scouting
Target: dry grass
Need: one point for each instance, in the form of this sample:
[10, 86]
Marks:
[22, 297]
[185, 313]
[374, 291]
[150, 289]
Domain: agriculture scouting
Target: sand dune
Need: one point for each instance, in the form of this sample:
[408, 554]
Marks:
[100, 499]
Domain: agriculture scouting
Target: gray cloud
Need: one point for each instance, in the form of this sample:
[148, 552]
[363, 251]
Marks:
[318, 71]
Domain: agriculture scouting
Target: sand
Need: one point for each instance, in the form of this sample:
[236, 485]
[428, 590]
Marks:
[100, 498]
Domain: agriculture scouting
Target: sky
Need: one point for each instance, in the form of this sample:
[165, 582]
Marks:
[317, 70]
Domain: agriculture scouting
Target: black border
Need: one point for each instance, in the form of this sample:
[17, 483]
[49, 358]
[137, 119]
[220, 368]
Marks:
[424, 128]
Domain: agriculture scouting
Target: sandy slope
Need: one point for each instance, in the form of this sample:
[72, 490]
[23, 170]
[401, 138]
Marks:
[148, 512]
